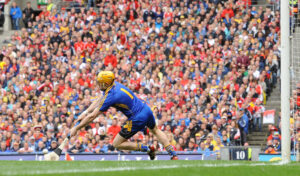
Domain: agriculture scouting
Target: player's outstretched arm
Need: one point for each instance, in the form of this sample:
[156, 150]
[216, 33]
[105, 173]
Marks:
[90, 117]
[89, 110]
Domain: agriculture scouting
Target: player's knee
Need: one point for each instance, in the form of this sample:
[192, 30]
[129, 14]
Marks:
[154, 130]
[116, 144]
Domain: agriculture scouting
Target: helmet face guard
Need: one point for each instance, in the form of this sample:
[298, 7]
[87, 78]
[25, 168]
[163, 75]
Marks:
[103, 86]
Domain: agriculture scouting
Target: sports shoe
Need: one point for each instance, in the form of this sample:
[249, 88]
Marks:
[151, 152]
[174, 158]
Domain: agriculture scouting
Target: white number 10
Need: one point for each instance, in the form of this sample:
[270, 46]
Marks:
[240, 155]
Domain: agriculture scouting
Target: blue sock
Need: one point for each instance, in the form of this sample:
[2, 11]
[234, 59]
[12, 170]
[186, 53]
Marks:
[142, 147]
[170, 150]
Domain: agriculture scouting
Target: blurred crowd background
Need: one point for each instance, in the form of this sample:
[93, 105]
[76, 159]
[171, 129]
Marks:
[206, 68]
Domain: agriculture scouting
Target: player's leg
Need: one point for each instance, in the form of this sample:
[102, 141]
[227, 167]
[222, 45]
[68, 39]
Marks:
[122, 143]
[54, 156]
[162, 138]
[121, 140]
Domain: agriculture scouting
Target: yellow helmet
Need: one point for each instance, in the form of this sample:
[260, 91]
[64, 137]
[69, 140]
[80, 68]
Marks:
[105, 79]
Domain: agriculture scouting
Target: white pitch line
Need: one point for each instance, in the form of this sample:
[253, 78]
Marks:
[114, 169]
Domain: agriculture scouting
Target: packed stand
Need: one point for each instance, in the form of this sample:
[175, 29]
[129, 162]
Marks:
[205, 68]
[274, 138]
[295, 119]
[273, 145]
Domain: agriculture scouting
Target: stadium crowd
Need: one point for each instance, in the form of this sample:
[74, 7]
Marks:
[295, 118]
[205, 67]
[274, 138]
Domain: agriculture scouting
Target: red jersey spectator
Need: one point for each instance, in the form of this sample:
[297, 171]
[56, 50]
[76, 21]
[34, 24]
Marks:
[110, 59]
[228, 11]
[115, 128]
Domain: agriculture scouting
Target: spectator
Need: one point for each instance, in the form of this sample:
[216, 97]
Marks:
[243, 60]
[225, 139]
[273, 135]
[31, 143]
[228, 10]
[218, 147]
[131, 15]
[110, 59]
[210, 143]
[56, 38]
[243, 121]
[16, 15]
[64, 14]
[44, 13]
[276, 144]
[89, 148]
[2, 6]
[91, 3]
[191, 145]
[219, 144]
[2, 19]
[114, 129]
[38, 133]
[28, 14]
[40, 147]
[15, 147]
[109, 145]
[3, 147]
[270, 150]
[234, 134]
[53, 146]
[99, 130]
[224, 123]
[50, 5]
[249, 149]
[77, 148]
[25, 149]
[198, 138]
[257, 117]
[203, 150]
[102, 148]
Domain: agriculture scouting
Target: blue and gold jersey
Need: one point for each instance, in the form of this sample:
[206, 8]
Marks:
[123, 99]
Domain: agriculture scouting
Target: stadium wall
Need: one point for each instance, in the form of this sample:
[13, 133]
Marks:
[273, 157]
[104, 157]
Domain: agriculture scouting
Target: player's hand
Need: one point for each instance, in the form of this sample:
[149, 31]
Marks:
[75, 122]
[73, 132]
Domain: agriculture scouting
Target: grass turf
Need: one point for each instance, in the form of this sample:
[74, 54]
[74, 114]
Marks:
[148, 168]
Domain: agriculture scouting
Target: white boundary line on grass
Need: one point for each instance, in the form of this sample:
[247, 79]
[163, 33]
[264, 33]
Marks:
[114, 169]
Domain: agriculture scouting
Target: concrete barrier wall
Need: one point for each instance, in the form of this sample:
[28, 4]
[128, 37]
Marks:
[227, 153]
[22, 3]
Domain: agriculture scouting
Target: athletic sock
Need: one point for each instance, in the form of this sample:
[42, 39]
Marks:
[142, 147]
[170, 150]
[62, 145]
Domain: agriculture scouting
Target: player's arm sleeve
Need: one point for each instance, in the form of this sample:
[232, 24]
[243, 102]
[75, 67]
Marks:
[106, 102]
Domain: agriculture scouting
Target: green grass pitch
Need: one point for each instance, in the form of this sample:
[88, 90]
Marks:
[148, 168]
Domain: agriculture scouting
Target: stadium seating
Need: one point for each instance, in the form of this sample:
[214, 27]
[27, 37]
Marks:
[206, 68]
